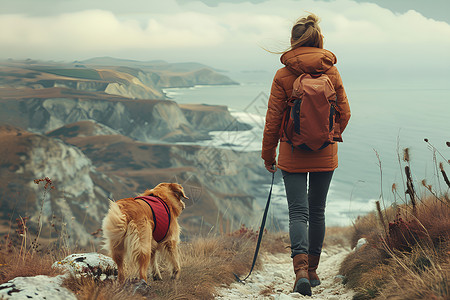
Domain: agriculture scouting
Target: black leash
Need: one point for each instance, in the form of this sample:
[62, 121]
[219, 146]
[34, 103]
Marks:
[261, 231]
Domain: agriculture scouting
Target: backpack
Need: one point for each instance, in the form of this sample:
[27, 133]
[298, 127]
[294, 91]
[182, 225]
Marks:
[309, 122]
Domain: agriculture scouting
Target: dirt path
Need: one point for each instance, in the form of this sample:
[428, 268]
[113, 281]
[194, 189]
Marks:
[276, 278]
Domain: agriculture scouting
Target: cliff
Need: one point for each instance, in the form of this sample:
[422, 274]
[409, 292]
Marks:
[214, 178]
[77, 201]
[86, 128]
[198, 77]
[143, 120]
[131, 79]
[163, 74]
[211, 118]
[88, 169]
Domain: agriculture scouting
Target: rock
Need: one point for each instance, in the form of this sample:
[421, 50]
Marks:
[278, 274]
[204, 76]
[295, 295]
[285, 297]
[138, 287]
[133, 89]
[361, 242]
[212, 118]
[82, 129]
[37, 287]
[339, 278]
[93, 264]
[74, 194]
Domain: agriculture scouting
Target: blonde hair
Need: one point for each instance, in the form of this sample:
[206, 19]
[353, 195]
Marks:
[306, 33]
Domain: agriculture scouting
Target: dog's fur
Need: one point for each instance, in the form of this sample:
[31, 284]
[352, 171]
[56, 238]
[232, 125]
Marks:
[128, 228]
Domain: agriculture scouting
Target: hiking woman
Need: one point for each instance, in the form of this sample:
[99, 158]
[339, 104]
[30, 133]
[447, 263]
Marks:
[306, 204]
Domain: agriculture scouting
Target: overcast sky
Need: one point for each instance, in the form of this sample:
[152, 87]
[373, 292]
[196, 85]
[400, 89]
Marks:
[379, 38]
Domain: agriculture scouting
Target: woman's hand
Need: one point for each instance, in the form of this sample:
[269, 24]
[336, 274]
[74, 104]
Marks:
[271, 167]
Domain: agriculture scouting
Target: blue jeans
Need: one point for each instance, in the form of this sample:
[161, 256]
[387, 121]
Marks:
[306, 210]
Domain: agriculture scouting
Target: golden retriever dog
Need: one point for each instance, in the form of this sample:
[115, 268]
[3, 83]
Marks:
[130, 239]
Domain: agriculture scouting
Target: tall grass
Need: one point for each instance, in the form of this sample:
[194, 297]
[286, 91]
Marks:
[408, 245]
[206, 264]
[23, 252]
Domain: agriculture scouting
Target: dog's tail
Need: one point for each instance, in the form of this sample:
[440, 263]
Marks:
[114, 227]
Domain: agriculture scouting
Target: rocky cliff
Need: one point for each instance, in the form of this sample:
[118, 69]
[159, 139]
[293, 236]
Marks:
[216, 179]
[163, 74]
[131, 79]
[87, 170]
[85, 129]
[143, 120]
[77, 202]
[211, 118]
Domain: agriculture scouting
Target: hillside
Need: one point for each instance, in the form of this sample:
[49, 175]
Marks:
[100, 132]
[128, 78]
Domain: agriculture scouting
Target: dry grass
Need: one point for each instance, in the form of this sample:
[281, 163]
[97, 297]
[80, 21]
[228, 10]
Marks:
[23, 252]
[206, 264]
[14, 264]
[407, 254]
[408, 260]
[338, 236]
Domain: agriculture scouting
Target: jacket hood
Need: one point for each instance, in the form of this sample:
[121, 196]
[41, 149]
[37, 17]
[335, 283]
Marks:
[308, 60]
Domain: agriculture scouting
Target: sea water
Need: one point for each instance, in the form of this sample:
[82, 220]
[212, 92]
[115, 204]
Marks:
[383, 123]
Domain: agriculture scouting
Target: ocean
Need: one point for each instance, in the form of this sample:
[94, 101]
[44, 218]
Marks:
[383, 123]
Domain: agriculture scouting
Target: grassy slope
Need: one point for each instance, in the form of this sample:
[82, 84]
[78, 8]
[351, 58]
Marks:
[407, 254]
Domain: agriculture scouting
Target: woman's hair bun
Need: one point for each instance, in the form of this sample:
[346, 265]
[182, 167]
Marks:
[302, 35]
[309, 23]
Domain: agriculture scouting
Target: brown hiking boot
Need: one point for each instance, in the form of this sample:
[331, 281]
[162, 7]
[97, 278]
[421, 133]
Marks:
[301, 284]
[313, 263]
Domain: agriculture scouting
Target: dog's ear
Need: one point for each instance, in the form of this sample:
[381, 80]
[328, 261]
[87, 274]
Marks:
[147, 193]
[178, 190]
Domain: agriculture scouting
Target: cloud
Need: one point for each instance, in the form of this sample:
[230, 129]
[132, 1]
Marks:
[231, 35]
[100, 30]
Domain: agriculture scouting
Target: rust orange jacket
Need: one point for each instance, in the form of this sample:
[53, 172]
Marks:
[298, 61]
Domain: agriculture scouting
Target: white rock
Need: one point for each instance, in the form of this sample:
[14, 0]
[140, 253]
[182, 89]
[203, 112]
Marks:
[95, 264]
[339, 278]
[284, 297]
[361, 242]
[295, 295]
[278, 274]
[37, 287]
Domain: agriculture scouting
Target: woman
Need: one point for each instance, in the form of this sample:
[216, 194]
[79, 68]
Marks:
[306, 206]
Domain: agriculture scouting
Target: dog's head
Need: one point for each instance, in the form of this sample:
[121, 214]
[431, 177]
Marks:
[171, 193]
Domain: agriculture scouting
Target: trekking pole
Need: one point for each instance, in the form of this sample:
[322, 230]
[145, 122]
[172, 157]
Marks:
[261, 231]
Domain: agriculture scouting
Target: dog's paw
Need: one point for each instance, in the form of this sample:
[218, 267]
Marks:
[137, 286]
[141, 287]
[175, 274]
[157, 277]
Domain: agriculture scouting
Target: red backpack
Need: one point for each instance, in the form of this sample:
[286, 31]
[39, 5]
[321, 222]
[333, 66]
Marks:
[310, 120]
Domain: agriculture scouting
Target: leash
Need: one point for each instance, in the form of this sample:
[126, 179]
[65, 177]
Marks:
[261, 231]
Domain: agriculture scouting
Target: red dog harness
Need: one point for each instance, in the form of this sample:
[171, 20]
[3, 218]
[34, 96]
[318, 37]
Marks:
[161, 216]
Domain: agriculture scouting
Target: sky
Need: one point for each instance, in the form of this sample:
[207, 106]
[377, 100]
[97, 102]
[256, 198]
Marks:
[381, 39]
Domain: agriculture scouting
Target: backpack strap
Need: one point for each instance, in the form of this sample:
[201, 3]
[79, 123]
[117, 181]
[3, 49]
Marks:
[295, 114]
